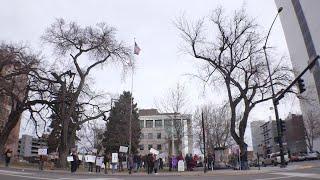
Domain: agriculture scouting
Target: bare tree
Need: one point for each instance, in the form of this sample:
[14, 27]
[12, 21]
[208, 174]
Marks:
[216, 125]
[100, 46]
[235, 55]
[174, 104]
[17, 64]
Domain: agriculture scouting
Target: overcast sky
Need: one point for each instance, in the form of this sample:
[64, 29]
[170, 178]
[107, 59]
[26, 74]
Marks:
[160, 64]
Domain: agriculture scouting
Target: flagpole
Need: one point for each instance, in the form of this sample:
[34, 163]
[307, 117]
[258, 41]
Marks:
[130, 115]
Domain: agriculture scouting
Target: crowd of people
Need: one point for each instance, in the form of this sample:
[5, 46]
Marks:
[150, 163]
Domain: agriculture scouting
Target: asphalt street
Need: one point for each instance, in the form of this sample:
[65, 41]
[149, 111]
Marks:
[303, 170]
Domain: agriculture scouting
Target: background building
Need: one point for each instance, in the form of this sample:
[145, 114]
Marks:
[295, 134]
[158, 131]
[257, 137]
[28, 146]
[300, 23]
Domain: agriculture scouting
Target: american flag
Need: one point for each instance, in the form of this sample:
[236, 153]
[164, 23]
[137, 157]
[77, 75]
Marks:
[136, 49]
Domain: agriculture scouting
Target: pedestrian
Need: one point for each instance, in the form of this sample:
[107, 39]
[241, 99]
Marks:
[156, 164]
[41, 162]
[150, 163]
[135, 162]
[139, 162]
[120, 162]
[90, 164]
[98, 164]
[106, 161]
[130, 163]
[174, 163]
[74, 163]
[161, 163]
[170, 162]
[8, 155]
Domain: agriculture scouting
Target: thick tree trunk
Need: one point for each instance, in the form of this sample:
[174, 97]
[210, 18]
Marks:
[12, 121]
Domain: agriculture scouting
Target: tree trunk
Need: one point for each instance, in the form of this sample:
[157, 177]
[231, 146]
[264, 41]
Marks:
[12, 121]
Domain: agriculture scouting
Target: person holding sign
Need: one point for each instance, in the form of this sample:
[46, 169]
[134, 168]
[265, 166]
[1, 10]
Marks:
[8, 155]
[74, 163]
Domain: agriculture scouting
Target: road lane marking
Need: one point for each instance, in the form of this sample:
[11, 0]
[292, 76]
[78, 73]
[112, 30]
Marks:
[28, 177]
[282, 177]
[13, 172]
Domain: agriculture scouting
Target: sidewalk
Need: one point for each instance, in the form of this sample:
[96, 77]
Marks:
[199, 172]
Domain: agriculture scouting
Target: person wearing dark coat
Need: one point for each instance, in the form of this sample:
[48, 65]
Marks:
[74, 163]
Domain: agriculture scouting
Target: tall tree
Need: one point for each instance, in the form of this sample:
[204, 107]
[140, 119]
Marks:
[231, 47]
[17, 64]
[117, 127]
[99, 45]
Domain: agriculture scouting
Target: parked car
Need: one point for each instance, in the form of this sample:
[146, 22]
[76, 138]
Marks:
[274, 159]
[294, 158]
[312, 156]
[302, 157]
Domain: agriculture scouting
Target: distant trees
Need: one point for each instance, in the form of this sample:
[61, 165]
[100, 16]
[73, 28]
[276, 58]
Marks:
[117, 126]
[231, 48]
[175, 101]
[216, 125]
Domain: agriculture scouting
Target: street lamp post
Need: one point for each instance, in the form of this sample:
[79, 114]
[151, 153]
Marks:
[274, 100]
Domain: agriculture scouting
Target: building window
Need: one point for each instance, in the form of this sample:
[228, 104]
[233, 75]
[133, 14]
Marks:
[149, 146]
[141, 147]
[168, 124]
[158, 123]
[141, 124]
[159, 146]
[150, 136]
[149, 124]
[158, 135]
[141, 136]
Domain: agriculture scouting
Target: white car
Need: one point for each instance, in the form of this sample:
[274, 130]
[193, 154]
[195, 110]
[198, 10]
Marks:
[312, 156]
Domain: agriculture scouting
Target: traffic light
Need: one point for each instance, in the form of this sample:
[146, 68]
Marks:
[283, 125]
[301, 85]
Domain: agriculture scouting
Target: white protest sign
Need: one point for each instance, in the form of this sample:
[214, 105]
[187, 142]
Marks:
[42, 152]
[163, 155]
[153, 151]
[123, 149]
[90, 158]
[180, 165]
[80, 157]
[114, 158]
[69, 158]
[99, 161]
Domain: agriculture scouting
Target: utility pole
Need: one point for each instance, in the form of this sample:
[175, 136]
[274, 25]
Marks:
[274, 99]
[204, 144]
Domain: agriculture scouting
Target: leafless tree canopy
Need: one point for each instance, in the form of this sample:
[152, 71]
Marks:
[17, 64]
[98, 45]
[235, 54]
[216, 126]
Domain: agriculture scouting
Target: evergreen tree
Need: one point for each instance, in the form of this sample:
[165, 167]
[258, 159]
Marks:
[117, 128]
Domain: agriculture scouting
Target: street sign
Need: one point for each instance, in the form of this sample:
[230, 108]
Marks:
[123, 149]
[114, 158]
[42, 152]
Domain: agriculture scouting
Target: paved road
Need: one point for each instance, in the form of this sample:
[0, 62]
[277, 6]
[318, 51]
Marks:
[295, 172]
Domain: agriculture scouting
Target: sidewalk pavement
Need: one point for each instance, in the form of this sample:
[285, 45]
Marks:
[224, 172]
